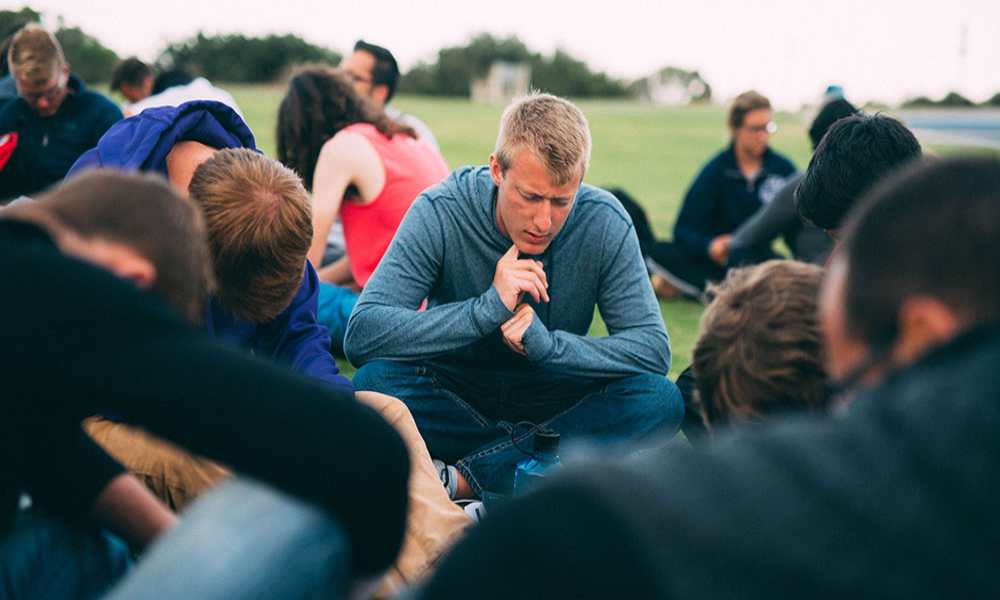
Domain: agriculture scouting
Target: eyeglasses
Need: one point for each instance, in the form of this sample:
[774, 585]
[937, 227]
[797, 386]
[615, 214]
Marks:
[50, 94]
[769, 127]
[357, 78]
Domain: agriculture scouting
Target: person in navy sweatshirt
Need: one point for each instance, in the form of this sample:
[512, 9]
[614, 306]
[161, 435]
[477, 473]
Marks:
[54, 119]
[733, 186]
[184, 137]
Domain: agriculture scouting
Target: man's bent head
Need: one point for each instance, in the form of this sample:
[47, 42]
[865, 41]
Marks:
[259, 224]
[541, 155]
[917, 266]
[39, 69]
[137, 227]
[854, 155]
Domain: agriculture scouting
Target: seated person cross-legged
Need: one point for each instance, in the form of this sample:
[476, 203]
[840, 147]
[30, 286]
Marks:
[512, 260]
[728, 191]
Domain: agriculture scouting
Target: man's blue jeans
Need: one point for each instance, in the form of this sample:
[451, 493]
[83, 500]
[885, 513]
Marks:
[45, 558]
[470, 417]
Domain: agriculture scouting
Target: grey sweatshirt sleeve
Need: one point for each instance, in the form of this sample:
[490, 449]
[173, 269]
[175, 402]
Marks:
[387, 323]
[769, 222]
[637, 339]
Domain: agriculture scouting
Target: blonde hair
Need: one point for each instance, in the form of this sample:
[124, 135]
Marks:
[551, 127]
[259, 224]
[34, 55]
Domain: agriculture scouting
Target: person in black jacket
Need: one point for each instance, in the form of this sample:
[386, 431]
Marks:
[86, 331]
[896, 499]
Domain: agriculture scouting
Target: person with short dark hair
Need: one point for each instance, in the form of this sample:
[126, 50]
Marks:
[54, 120]
[174, 87]
[375, 75]
[779, 217]
[853, 156]
[728, 191]
[133, 79]
[124, 344]
[896, 498]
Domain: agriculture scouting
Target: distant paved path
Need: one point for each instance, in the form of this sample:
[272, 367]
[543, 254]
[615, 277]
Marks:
[955, 126]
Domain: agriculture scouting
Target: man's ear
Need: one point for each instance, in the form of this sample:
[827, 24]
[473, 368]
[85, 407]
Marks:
[495, 170]
[137, 269]
[924, 322]
[380, 93]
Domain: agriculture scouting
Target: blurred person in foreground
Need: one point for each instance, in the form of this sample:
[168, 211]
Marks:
[894, 499]
[138, 275]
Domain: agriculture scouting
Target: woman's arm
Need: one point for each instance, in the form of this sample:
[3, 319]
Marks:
[346, 159]
[338, 272]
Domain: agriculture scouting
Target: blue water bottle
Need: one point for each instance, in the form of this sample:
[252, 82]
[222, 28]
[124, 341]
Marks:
[533, 469]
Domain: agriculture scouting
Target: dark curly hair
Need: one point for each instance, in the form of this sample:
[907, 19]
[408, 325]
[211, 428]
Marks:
[319, 103]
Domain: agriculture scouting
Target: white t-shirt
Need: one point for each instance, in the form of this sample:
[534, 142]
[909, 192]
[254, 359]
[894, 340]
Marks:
[199, 89]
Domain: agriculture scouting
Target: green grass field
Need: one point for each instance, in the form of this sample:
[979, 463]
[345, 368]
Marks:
[653, 153]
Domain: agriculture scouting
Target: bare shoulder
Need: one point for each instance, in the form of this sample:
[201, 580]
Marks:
[347, 147]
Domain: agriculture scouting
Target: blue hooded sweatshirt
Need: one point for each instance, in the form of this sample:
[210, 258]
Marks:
[142, 143]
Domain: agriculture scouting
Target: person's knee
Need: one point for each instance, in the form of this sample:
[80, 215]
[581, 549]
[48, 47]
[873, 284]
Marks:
[383, 376]
[370, 376]
[661, 400]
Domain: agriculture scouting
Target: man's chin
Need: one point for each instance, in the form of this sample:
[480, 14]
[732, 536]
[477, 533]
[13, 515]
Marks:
[532, 248]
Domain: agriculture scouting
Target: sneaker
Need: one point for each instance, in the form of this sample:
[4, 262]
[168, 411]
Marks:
[474, 508]
[671, 281]
[663, 289]
[449, 477]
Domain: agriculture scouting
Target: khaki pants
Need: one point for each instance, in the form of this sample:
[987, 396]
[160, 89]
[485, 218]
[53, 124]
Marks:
[434, 522]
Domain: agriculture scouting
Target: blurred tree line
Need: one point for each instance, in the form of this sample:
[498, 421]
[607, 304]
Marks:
[232, 58]
[242, 59]
[87, 56]
[456, 67]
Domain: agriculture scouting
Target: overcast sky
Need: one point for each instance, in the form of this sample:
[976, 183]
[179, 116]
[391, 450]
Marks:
[789, 49]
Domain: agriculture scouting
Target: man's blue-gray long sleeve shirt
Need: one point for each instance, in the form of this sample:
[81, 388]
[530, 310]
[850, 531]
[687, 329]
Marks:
[446, 251]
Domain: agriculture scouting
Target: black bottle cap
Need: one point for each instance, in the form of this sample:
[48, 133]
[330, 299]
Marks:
[546, 441]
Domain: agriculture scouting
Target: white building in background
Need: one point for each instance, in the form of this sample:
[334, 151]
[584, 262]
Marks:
[671, 86]
[504, 82]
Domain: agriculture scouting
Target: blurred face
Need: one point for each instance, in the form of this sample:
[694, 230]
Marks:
[45, 98]
[135, 93]
[359, 66]
[843, 352]
[531, 209]
[752, 137]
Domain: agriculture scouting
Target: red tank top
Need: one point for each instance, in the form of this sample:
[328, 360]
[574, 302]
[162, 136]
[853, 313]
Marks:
[410, 166]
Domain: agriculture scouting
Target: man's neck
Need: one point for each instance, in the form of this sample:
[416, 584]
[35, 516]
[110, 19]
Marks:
[748, 164]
